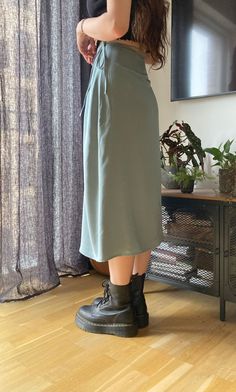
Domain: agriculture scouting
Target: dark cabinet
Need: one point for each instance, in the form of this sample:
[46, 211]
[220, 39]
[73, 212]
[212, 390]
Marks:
[228, 289]
[198, 251]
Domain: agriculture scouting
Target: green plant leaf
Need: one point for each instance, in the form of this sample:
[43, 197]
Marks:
[211, 150]
[227, 146]
[214, 151]
[180, 142]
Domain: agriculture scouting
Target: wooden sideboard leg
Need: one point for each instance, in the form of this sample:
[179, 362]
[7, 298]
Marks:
[222, 309]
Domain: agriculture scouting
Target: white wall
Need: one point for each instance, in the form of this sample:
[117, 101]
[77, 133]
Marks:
[213, 119]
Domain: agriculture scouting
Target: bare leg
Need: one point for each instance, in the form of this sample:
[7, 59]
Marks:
[141, 262]
[121, 268]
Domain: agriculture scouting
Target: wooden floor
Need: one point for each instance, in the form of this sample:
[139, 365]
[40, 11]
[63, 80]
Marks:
[186, 348]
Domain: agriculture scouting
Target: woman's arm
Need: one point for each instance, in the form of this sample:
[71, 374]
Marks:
[109, 26]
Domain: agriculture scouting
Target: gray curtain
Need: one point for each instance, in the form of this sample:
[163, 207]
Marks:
[41, 178]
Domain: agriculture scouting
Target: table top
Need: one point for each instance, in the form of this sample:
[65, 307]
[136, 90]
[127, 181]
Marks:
[199, 194]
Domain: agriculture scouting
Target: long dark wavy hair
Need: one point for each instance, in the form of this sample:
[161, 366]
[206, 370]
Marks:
[150, 29]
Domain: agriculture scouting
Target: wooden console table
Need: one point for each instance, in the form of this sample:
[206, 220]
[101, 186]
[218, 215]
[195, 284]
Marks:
[198, 251]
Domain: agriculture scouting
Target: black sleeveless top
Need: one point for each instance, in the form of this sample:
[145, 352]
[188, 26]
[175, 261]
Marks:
[98, 7]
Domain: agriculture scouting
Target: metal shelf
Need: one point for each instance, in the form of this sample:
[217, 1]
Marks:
[188, 256]
[187, 241]
[199, 247]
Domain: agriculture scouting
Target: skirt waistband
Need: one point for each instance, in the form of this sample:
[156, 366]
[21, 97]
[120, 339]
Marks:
[118, 53]
[115, 53]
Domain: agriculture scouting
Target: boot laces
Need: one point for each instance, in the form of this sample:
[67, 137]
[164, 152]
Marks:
[106, 294]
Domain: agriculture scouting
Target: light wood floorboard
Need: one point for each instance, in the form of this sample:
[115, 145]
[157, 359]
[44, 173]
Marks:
[186, 348]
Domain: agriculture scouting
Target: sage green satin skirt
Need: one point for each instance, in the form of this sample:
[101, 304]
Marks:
[121, 157]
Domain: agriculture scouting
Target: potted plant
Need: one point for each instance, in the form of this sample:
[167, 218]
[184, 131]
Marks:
[226, 160]
[187, 176]
[179, 147]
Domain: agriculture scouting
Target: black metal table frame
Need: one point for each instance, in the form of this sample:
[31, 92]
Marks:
[221, 248]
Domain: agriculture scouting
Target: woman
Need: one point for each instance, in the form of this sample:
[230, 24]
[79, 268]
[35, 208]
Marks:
[122, 205]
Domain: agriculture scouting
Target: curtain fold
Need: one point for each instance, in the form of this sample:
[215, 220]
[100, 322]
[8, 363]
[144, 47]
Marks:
[41, 177]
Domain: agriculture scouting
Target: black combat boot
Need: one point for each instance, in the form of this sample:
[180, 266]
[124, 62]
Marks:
[137, 300]
[112, 315]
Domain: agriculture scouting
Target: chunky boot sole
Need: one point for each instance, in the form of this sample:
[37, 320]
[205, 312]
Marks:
[122, 330]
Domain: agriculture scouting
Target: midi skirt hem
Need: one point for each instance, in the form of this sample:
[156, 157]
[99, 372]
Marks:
[134, 252]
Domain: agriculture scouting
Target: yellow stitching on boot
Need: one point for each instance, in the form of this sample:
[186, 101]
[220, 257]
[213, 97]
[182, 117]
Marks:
[105, 325]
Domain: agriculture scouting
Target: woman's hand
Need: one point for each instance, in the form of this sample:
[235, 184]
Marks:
[86, 45]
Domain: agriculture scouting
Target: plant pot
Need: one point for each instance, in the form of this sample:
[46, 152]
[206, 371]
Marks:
[166, 178]
[188, 188]
[101, 268]
[226, 180]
